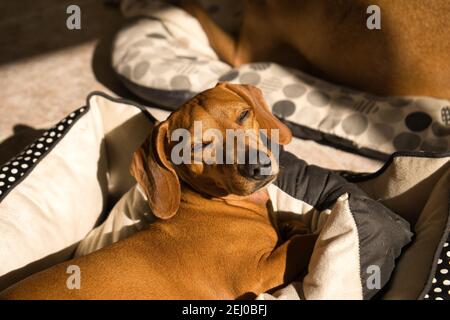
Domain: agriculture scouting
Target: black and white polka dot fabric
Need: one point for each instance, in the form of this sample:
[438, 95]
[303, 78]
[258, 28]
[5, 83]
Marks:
[12, 172]
[440, 287]
[168, 59]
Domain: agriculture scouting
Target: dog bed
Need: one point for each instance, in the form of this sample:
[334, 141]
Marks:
[61, 188]
[164, 57]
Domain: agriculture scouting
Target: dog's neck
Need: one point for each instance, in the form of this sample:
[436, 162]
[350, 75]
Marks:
[258, 198]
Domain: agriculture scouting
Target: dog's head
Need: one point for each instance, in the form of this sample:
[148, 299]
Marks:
[217, 143]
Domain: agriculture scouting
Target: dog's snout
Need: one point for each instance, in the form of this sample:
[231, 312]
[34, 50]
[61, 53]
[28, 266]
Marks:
[257, 171]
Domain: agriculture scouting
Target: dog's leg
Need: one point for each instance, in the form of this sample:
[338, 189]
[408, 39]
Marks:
[289, 229]
[222, 43]
[256, 41]
[288, 261]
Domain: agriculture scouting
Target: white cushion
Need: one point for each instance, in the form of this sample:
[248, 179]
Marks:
[56, 191]
[130, 215]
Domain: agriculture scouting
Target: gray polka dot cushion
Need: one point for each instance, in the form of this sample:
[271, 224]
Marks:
[164, 57]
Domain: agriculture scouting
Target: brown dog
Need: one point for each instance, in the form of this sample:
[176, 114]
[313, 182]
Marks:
[409, 55]
[214, 238]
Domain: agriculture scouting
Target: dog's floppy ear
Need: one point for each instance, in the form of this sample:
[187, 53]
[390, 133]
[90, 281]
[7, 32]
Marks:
[155, 175]
[253, 96]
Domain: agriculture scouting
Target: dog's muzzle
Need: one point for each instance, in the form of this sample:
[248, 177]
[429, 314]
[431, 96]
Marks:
[258, 171]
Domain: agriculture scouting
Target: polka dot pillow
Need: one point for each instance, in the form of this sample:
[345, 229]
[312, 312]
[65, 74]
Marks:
[14, 170]
[440, 285]
[374, 126]
[167, 59]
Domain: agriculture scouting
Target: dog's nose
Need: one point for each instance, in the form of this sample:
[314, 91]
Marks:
[257, 171]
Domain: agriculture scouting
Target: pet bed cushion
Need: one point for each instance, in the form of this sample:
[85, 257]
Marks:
[56, 190]
[417, 187]
[164, 56]
[418, 195]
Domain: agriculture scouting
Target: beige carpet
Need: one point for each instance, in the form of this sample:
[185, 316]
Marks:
[46, 71]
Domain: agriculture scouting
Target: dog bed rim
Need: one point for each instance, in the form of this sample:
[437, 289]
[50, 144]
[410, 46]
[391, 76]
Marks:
[85, 108]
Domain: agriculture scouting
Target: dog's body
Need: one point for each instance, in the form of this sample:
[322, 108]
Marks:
[210, 249]
[409, 55]
[215, 238]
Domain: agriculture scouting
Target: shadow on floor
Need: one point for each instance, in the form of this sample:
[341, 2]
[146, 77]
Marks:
[102, 66]
[23, 135]
[33, 27]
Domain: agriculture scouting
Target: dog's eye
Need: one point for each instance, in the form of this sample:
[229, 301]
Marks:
[200, 145]
[243, 116]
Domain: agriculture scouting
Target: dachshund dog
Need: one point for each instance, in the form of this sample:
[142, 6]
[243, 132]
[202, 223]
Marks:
[408, 55]
[214, 236]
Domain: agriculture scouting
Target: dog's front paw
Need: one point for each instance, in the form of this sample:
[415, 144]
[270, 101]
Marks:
[288, 229]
